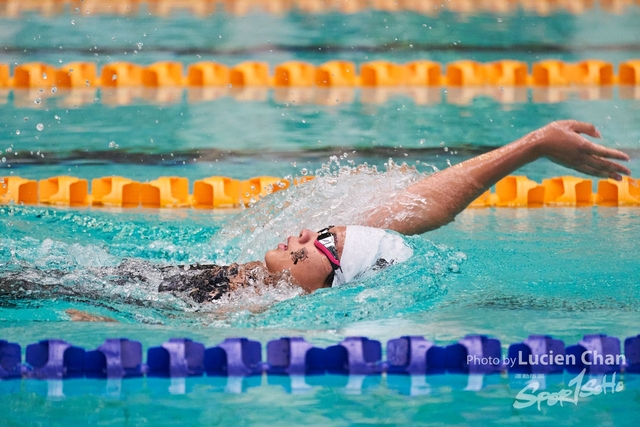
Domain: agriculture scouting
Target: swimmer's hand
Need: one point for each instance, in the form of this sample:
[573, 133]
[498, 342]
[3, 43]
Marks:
[562, 143]
[83, 316]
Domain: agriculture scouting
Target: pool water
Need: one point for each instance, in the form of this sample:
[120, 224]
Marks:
[507, 273]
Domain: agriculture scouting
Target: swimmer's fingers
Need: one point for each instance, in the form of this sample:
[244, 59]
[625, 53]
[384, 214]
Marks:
[601, 151]
[606, 167]
[583, 127]
[592, 171]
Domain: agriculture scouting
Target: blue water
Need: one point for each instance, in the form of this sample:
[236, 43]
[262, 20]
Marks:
[507, 273]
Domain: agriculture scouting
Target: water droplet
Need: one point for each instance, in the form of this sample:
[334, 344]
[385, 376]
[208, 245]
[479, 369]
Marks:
[37, 101]
[18, 132]
[113, 144]
[77, 10]
[139, 44]
[9, 150]
[57, 117]
[54, 89]
[44, 76]
[73, 22]
[304, 171]
[499, 20]
[4, 160]
[26, 119]
[40, 127]
[114, 77]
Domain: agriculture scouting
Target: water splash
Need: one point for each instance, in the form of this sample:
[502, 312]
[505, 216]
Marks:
[339, 195]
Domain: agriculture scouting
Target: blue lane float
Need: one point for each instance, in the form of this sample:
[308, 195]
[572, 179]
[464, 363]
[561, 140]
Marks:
[10, 360]
[116, 358]
[473, 355]
[234, 357]
[54, 359]
[632, 354]
[538, 354]
[597, 354]
[294, 356]
[408, 355]
[177, 358]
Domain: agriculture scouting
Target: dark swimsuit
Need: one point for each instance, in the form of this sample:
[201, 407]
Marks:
[200, 282]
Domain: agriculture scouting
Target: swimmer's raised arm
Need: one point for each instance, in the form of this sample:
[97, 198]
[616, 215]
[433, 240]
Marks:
[437, 199]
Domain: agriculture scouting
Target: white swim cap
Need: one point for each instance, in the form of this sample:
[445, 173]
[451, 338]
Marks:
[365, 248]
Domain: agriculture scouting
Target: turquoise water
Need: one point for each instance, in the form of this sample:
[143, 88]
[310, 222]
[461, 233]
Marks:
[503, 272]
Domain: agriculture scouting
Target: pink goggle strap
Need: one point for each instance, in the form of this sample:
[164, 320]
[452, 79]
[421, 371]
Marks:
[326, 252]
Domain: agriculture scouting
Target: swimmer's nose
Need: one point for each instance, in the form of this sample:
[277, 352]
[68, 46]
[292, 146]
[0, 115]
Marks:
[306, 236]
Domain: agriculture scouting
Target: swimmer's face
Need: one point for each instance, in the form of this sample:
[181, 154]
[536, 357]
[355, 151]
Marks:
[302, 259]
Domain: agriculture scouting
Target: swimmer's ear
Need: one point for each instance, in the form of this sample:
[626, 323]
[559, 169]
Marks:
[83, 316]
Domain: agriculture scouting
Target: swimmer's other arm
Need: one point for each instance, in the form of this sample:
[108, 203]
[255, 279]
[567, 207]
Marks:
[437, 199]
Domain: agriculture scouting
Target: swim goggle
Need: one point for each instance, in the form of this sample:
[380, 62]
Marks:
[326, 244]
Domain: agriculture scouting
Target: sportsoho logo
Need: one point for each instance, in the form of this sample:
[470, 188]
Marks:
[577, 389]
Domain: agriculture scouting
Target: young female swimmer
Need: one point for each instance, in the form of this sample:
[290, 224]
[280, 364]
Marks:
[339, 254]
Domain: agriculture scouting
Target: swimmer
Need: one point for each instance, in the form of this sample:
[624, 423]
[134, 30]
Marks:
[339, 254]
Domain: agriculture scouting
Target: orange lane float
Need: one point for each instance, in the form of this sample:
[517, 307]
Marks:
[629, 73]
[207, 74]
[36, 75]
[165, 192]
[118, 74]
[382, 73]
[559, 73]
[519, 191]
[64, 191]
[221, 192]
[568, 191]
[216, 192]
[204, 8]
[465, 73]
[462, 73]
[166, 73]
[506, 73]
[250, 74]
[5, 77]
[76, 75]
[337, 73]
[115, 191]
[619, 193]
[18, 190]
[295, 73]
[423, 73]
